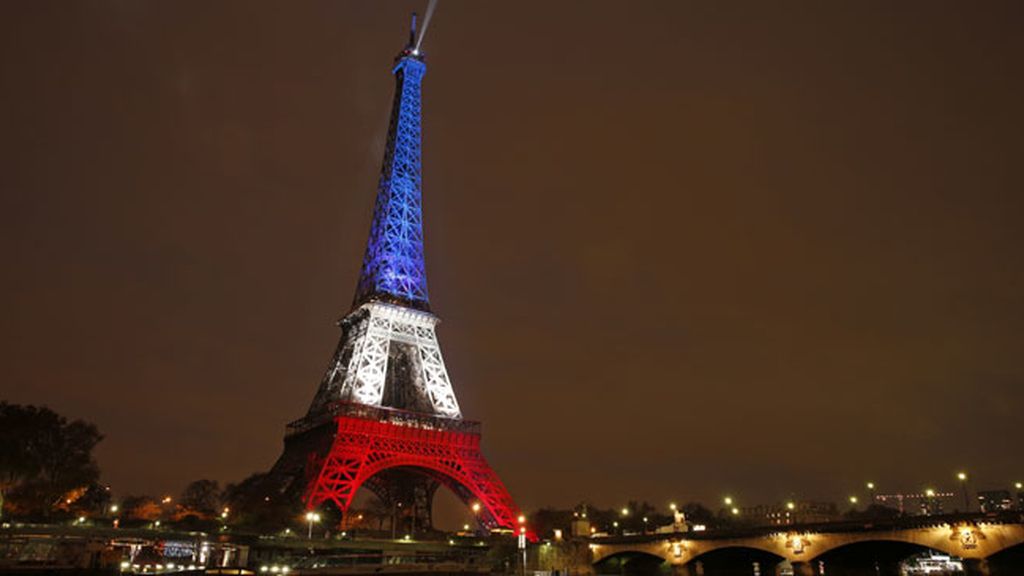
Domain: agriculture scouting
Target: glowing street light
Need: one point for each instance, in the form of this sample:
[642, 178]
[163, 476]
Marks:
[790, 505]
[1019, 485]
[475, 507]
[521, 519]
[113, 508]
[853, 500]
[311, 517]
[962, 477]
[673, 507]
[728, 500]
[625, 511]
[735, 511]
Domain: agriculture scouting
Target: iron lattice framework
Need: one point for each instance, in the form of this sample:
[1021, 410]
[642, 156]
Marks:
[369, 441]
[385, 416]
[393, 267]
[374, 334]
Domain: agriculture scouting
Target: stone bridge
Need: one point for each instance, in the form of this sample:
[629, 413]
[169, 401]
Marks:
[989, 545]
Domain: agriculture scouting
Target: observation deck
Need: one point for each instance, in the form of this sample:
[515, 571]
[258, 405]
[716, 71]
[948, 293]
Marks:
[406, 418]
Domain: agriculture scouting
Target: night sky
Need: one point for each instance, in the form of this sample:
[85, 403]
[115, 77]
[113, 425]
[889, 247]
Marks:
[680, 249]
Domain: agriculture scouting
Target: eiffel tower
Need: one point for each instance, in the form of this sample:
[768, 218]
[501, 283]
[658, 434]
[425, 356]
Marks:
[385, 416]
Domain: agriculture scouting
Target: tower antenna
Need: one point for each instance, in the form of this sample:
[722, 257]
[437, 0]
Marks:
[426, 23]
[412, 32]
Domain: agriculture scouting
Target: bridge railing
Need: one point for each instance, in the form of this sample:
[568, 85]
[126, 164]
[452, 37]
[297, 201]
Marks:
[858, 525]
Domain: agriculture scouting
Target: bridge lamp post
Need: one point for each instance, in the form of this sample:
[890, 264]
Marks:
[311, 517]
[962, 477]
[645, 524]
[476, 513]
[853, 502]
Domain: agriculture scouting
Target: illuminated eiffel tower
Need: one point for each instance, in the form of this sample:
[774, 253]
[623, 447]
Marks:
[385, 415]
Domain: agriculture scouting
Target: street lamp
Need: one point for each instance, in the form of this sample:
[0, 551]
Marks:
[625, 511]
[311, 517]
[962, 477]
[728, 500]
[645, 524]
[930, 500]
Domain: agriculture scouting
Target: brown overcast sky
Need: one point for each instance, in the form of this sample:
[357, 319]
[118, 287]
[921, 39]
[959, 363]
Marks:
[679, 248]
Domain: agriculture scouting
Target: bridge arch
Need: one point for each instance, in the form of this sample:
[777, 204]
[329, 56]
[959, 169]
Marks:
[736, 558]
[632, 563]
[1006, 560]
[601, 552]
[871, 556]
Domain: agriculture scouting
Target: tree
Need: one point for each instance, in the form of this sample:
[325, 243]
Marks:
[43, 456]
[697, 513]
[141, 508]
[202, 496]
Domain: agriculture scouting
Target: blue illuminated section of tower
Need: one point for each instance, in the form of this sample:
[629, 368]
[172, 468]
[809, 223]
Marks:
[393, 267]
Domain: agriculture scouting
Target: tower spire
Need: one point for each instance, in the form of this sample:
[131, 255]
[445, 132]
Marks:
[393, 267]
[412, 33]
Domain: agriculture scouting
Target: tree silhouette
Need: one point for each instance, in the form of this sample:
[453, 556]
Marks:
[43, 456]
